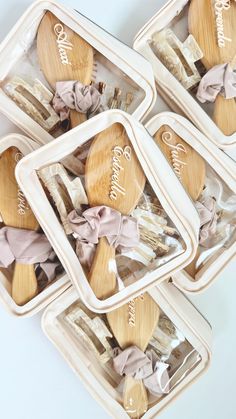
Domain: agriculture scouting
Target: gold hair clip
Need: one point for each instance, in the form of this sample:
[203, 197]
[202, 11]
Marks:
[101, 87]
[115, 102]
[129, 100]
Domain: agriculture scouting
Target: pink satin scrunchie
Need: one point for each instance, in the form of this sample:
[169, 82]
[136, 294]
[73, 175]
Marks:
[208, 218]
[75, 95]
[27, 247]
[96, 222]
[219, 79]
[143, 366]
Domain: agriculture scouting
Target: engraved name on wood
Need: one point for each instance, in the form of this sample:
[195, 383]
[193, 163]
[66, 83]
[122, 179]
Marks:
[64, 45]
[132, 311]
[118, 154]
[22, 203]
[175, 152]
[219, 7]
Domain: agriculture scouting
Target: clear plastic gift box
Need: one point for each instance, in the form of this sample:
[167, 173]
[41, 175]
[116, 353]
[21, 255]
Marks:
[165, 41]
[145, 194]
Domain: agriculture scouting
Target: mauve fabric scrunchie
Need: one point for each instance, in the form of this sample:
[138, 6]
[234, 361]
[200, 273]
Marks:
[96, 222]
[27, 247]
[208, 218]
[142, 366]
[219, 79]
[75, 95]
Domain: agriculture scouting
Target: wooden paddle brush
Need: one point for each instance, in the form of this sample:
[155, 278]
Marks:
[16, 213]
[188, 165]
[113, 177]
[134, 324]
[218, 44]
[63, 56]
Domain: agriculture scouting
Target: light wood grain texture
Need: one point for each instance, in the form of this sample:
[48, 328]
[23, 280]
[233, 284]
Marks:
[98, 178]
[135, 398]
[138, 333]
[24, 284]
[202, 25]
[72, 59]
[192, 169]
[187, 163]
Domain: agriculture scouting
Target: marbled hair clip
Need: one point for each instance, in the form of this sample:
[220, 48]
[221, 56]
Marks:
[92, 329]
[178, 57]
[35, 100]
[75, 189]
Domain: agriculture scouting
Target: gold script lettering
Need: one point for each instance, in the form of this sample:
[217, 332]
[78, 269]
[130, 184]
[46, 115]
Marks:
[117, 168]
[219, 6]
[132, 312]
[22, 203]
[176, 149]
[62, 43]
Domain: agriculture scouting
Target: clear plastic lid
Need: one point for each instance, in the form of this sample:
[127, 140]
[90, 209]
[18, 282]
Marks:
[117, 226]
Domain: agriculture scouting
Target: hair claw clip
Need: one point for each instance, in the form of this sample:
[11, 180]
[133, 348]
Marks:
[92, 329]
[179, 57]
[49, 175]
[34, 100]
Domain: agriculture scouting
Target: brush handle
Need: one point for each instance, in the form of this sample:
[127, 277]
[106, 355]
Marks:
[77, 118]
[102, 276]
[225, 114]
[24, 284]
[135, 397]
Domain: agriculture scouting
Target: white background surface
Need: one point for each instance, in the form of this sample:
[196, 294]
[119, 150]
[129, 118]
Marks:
[35, 382]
